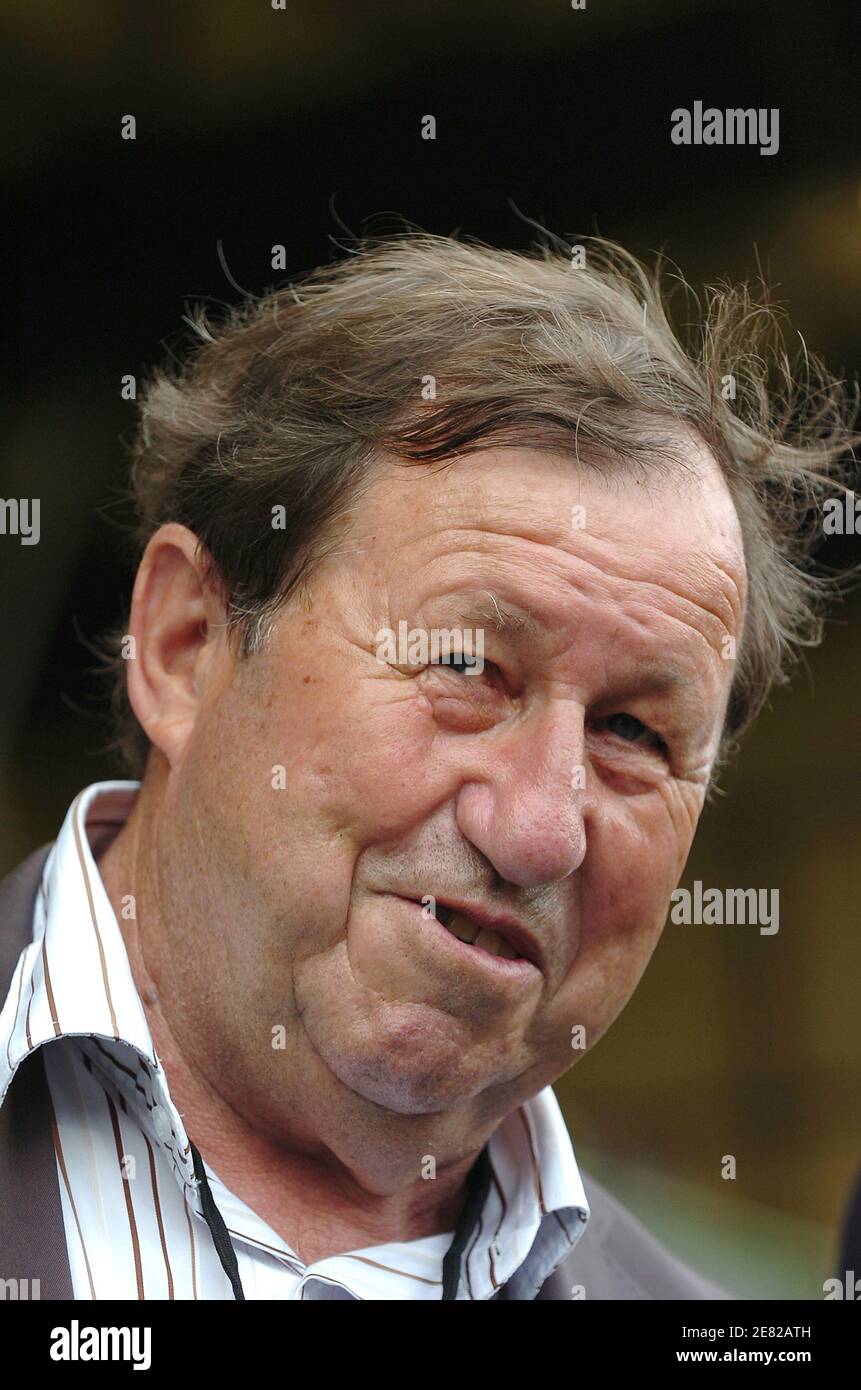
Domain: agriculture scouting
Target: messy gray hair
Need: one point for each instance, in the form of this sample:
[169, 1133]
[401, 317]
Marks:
[290, 398]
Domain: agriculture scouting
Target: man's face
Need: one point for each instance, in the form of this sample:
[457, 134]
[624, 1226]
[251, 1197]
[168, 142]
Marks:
[552, 797]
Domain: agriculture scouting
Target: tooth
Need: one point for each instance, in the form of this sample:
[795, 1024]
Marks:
[465, 930]
[462, 928]
[489, 941]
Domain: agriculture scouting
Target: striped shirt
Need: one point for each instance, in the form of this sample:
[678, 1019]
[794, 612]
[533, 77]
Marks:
[134, 1222]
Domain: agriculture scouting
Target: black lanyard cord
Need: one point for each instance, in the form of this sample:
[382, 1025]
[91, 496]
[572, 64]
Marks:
[477, 1184]
[214, 1220]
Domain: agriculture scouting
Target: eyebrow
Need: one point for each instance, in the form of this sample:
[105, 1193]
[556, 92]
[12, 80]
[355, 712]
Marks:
[500, 615]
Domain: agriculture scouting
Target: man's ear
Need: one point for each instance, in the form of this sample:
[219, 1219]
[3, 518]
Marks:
[178, 628]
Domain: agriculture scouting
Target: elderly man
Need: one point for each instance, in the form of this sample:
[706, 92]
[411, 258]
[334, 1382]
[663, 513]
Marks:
[284, 1012]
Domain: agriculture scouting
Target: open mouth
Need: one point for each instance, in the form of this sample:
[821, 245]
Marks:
[468, 931]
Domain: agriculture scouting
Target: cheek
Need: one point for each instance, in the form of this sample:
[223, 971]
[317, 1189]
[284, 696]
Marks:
[375, 766]
[682, 805]
[632, 865]
[637, 853]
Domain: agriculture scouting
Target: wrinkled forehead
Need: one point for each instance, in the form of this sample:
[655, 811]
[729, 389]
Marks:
[676, 510]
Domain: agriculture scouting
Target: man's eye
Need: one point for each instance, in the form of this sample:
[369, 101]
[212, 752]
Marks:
[463, 665]
[632, 730]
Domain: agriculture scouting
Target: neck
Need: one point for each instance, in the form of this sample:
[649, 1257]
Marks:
[311, 1199]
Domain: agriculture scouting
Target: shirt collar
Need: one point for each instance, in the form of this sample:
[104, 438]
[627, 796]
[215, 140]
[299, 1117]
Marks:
[75, 979]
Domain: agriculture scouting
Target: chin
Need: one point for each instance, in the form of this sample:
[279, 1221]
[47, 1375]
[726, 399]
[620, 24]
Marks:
[419, 1063]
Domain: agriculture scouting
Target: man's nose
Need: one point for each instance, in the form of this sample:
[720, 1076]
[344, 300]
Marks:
[528, 809]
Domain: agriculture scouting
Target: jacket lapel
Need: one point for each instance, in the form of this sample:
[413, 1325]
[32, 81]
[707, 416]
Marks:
[32, 1230]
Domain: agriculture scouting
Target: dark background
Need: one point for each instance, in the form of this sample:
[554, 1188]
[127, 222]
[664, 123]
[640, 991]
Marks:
[258, 127]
